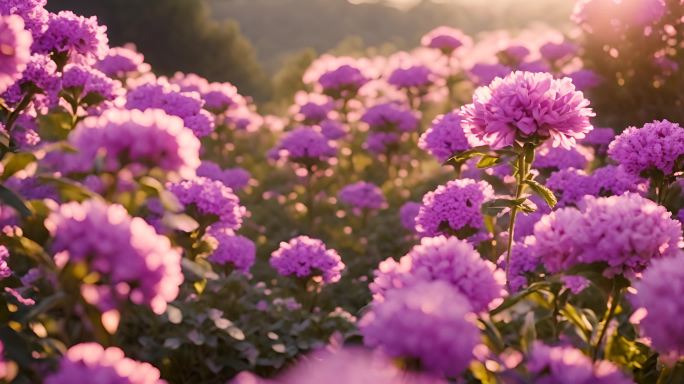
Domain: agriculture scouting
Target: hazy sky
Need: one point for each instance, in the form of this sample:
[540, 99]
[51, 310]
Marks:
[406, 4]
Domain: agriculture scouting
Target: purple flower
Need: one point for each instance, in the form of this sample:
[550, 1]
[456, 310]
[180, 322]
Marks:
[585, 79]
[390, 117]
[571, 185]
[16, 50]
[343, 82]
[567, 365]
[524, 260]
[41, 74]
[655, 146]
[556, 237]
[102, 365]
[575, 284]
[417, 76]
[81, 39]
[599, 138]
[210, 198]
[305, 258]
[381, 142]
[33, 13]
[524, 106]
[305, 145]
[121, 62]
[557, 51]
[362, 195]
[454, 206]
[514, 54]
[150, 139]
[5, 270]
[484, 74]
[407, 215]
[235, 250]
[88, 85]
[445, 137]
[219, 97]
[445, 259]
[614, 180]
[560, 158]
[313, 112]
[659, 292]
[132, 260]
[233, 178]
[429, 321]
[445, 39]
[332, 129]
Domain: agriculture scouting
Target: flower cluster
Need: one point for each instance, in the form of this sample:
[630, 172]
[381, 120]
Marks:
[304, 145]
[362, 195]
[233, 178]
[121, 62]
[81, 39]
[445, 39]
[445, 137]
[16, 52]
[305, 258]
[343, 82]
[210, 198]
[390, 117]
[235, 250]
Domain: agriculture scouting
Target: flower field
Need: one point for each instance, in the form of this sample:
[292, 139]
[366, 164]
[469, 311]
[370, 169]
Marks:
[500, 208]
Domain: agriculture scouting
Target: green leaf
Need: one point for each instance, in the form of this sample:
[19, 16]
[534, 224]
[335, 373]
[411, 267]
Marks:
[7, 196]
[493, 207]
[461, 157]
[155, 188]
[488, 161]
[528, 331]
[543, 192]
[514, 299]
[68, 190]
[15, 162]
[54, 126]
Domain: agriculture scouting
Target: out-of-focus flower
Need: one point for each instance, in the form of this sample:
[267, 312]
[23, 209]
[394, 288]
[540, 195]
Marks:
[33, 13]
[655, 146]
[445, 137]
[417, 76]
[16, 49]
[235, 250]
[445, 39]
[122, 62]
[5, 270]
[571, 185]
[305, 257]
[362, 195]
[407, 215]
[390, 117]
[87, 85]
[234, 178]
[343, 82]
[304, 145]
[549, 157]
[585, 79]
[210, 198]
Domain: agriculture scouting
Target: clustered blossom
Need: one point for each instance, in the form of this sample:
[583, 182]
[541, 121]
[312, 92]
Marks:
[33, 13]
[234, 178]
[559, 158]
[659, 292]
[102, 365]
[5, 270]
[557, 51]
[445, 39]
[343, 82]
[456, 205]
[524, 260]
[186, 105]
[150, 139]
[390, 117]
[599, 138]
[381, 142]
[614, 180]
[445, 259]
[16, 49]
[304, 145]
[429, 321]
[445, 137]
[525, 106]
[568, 365]
[362, 195]
[235, 250]
[626, 232]
[121, 62]
[89, 84]
[575, 283]
[483, 74]
[219, 97]
[133, 260]
[305, 257]
[313, 112]
[78, 37]
[585, 79]
[407, 215]
[655, 146]
[417, 76]
[210, 198]
[41, 74]
[332, 130]
[571, 185]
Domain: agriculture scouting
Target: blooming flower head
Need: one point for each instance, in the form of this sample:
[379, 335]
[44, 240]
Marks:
[305, 257]
[526, 106]
[445, 137]
[390, 117]
[41, 74]
[122, 62]
[152, 139]
[558, 51]
[614, 180]
[659, 292]
[234, 178]
[445, 39]
[305, 145]
[656, 146]
[381, 142]
[524, 260]
[102, 365]
[585, 79]
[428, 321]
[16, 49]
[483, 74]
[549, 157]
[455, 205]
[362, 195]
[33, 13]
[219, 97]
[445, 259]
[74, 37]
[599, 138]
[88, 85]
[407, 215]
[235, 250]
[567, 365]
[210, 198]
[343, 82]
[332, 129]
[570, 185]
[417, 76]
[134, 262]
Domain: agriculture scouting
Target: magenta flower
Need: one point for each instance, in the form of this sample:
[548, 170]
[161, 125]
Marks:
[655, 146]
[16, 51]
[445, 39]
[417, 76]
[549, 157]
[133, 261]
[614, 180]
[312, 112]
[526, 106]
[570, 185]
[235, 250]
[362, 195]
[305, 145]
[483, 74]
[429, 321]
[234, 178]
[210, 198]
[33, 13]
[122, 62]
[305, 258]
[102, 365]
[445, 137]
[453, 207]
[5, 270]
[524, 261]
[558, 51]
[585, 79]
[390, 117]
[445, 259]
[80, 39]
[408, 213]
[381, 142]
[599, 138]
[343, 82]
[41, 74]
[88, 85]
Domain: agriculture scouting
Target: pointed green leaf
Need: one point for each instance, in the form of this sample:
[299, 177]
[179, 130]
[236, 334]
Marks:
[15, 162]
[488, 161]
[9, 197]
[543, 192]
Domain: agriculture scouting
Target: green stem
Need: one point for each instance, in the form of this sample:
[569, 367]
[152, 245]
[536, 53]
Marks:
[521, 176]
[14, 115]
[613, 300]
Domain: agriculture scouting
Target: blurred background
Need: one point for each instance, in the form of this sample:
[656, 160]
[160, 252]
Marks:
[264, 46]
